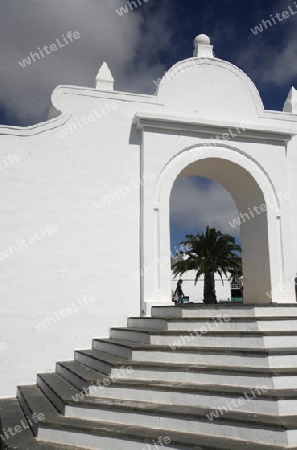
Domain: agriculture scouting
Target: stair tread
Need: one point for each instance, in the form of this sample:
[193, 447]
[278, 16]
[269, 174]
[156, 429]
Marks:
[233, 333]
[234, 350]
[103, 356]
[11, 416]
[61, 387]
[56, 421]
[117, 361]
[84, 372]
[37, 401]
[230, 306]
[215, 389]
[62, 393]
[66, 391]
[252, 319]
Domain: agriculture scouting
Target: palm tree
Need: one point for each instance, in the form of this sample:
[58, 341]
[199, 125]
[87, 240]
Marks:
[211, 252]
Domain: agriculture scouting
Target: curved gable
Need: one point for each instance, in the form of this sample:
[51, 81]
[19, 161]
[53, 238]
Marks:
[209, 86]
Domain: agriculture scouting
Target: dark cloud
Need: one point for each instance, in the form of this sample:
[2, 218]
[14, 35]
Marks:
[131, 44]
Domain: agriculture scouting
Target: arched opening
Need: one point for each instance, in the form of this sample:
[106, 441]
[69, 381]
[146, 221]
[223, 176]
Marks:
[261, 234]
[195, 204]
[254, 227]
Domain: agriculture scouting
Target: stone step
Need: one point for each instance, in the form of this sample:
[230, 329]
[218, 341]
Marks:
[238, 357]
[54, 387]
[100, 361]
[139, 422]
[148, 322]
[208, 377]
[280, 401]
[79, 375]
[92, 435]
[16, 432]
[89, 372]
[214, 338]
[233, 310]
[221, 323]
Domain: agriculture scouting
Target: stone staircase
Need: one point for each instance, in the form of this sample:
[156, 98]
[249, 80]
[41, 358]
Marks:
[191, 377]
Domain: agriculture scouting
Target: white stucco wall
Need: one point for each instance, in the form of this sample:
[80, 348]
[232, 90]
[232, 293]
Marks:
[94, 252]
[98, 252]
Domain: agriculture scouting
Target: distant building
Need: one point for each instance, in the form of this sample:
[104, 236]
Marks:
[225, 290]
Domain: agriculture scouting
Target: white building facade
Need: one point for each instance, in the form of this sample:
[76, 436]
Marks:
[84, 233]
[224, 288]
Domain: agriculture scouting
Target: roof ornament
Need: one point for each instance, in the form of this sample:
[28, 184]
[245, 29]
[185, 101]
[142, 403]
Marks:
[104, 79]
[203, 49]
[291, 102]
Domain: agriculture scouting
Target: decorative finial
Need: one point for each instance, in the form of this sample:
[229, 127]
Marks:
[104, 79]
[203, 49]
[291, 102]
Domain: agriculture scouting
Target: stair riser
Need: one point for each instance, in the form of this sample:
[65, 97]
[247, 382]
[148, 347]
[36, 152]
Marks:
[253, 435]
[113, 349]
[169, 312]
[191, 399]
[226, 379]
[284, 382]
[288, 342]
[224, 359]
[292, 438]
[148, 420]
[184, 357]
[28, 413]
[54, 399]
[95, 364]
[282, 361]
[238, 311]
[207, 340]
[154, 324]
[277, 311]
[186, 340]
[71, 377]
[211, 325]
[93, 442]
[285, 325]
[134, 336]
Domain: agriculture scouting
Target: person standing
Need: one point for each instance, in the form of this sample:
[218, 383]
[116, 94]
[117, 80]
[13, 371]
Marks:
[179, 293]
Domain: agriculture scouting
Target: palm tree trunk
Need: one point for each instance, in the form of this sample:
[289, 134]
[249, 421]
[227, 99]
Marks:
[208, 291]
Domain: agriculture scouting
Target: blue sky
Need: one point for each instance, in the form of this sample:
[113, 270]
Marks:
[139, 47]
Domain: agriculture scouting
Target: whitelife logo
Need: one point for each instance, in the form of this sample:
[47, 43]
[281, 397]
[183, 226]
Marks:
[23, 243]
[132, 5]
[108, 108]
[271, 22]
[24, 425]
[9, 160]
[62, 314]
[47, 50]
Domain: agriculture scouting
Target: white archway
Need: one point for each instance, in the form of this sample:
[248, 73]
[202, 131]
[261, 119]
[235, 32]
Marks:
[249, 185]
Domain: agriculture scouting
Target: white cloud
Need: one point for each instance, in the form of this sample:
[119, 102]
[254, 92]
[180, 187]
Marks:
[196, 206]
[270, 56]
[131, 45]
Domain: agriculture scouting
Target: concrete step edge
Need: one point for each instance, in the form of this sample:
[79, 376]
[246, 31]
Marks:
[235, 319]
[135, 346]
[228, 333]
[195, 368]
